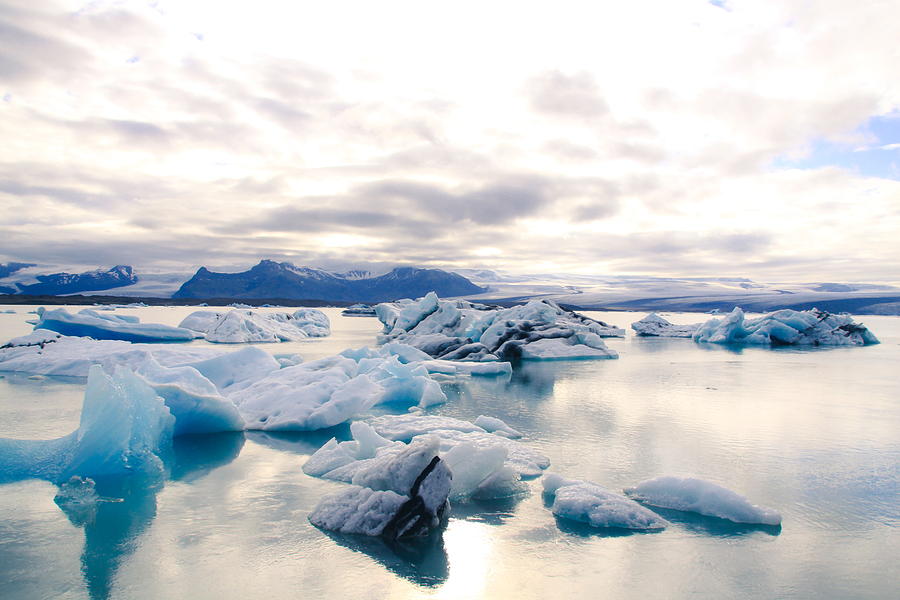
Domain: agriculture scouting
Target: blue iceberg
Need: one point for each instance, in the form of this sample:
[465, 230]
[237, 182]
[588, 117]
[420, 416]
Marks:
[90, 323]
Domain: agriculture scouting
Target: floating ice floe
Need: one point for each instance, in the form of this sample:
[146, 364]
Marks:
[654, 325]
[405, 497]
[359, 310]
[250, 326]
[125, 428]
[46, 352]
[465, 331]
[496, 426]
[484, 465]
[589, 503]
[702, 497]
[90, 323]
[786, 327]
[407, 354]
[8, 311]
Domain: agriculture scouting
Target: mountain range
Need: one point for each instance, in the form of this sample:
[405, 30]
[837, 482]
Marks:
[270, 279]
[273, 281]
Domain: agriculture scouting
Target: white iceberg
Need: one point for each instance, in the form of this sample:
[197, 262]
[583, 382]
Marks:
[45, 352]
[704, 497]
[786, 327]
[482, 467]
[90, 323]
[465, 331]
[589, 503]
[654, 325]
[330, 391]
[250, 326]
[406, 496]
[125, 428]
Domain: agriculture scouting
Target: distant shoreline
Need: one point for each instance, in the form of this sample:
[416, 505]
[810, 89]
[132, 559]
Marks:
[890, 306]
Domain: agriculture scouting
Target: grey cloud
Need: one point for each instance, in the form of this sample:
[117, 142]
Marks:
[556, 93]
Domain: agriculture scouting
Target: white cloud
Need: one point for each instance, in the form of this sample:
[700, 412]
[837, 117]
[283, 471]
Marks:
[546, 131]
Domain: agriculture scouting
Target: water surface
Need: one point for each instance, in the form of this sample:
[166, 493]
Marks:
[813, 433]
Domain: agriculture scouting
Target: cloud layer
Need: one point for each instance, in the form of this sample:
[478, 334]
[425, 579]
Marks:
[647, 138]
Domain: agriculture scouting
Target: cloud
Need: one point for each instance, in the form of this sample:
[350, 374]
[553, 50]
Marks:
[560, 94]
[617, 144]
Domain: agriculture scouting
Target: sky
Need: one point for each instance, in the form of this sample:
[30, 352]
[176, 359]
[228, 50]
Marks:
[728, 138]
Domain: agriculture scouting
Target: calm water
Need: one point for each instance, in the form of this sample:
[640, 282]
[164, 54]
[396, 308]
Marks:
[814, 434]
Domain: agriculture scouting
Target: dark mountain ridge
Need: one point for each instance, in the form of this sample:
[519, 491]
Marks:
[270, 279]
[71, 283]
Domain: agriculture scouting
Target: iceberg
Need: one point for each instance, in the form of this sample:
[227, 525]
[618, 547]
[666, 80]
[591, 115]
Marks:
[330, 391]
[193, 400]
[45, 352]
[90, 323]
[405, 497]
[485, 465]
[250, 326]
[465, 331]
[654, 325]
[703, 497]
[496, 426]
[589, 503]
[479, 470]
[786, 327]
[125, 428]
[359, 310]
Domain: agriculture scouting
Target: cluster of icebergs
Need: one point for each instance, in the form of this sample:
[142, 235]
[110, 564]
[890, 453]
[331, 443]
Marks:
[401, 469]
[780, 328]
[466, 331]
[236, 326]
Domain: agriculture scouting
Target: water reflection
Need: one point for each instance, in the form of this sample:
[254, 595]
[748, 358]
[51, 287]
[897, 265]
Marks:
[127, 506]
[422, 561]
[713, 526]
[299, 442]
[491, 512]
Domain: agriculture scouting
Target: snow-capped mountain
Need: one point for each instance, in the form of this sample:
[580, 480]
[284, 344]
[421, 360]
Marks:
[270, 279]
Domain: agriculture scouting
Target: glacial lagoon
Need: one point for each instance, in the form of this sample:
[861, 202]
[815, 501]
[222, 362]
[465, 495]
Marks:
[812, 433]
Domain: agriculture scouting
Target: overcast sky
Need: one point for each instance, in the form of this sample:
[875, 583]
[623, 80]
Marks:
[692, 138]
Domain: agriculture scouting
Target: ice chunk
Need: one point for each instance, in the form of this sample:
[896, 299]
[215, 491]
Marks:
[406, 427]
[236, 370]
[201, 321]
[786, 327]
[403, 496]
[125, 428]
[452, 432]
[558, 349]
[654, 325]
[90, 323]
[49, 353]
[193, 400]
[359, 310]
[589, 503]
[330, 391]
[463, 331]
[357, 510]
[704, 497]
[496, 426]
[245, 326]
[481, 468]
